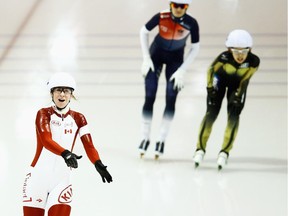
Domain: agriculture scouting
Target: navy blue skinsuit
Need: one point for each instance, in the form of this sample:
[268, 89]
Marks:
[167, 48]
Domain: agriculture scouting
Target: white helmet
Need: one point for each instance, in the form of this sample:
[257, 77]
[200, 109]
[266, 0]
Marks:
[239, 38]
[61, 79]
[181, 1]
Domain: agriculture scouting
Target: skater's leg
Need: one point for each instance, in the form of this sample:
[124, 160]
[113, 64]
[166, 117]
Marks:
[32, 211]
[211, 115]
[164, 128]
[229, 138]
[230, 133]
[145, 132]
[168, 116]
[34, 193]
[232, 123]
[151, 86]
[59, 210]
[204, 133]
[207, 124]
[60, 198]
[146, 127]
[170, 101]
[231, 128]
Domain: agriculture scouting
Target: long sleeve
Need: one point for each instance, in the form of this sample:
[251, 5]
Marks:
[245, 80]
[91, 152]
[192, 53]
[86, 137]
[44, 134]
[211, 71]
[144, 40]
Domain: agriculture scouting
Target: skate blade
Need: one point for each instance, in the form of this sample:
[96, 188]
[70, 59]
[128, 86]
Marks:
[156, 157]
[142, 155]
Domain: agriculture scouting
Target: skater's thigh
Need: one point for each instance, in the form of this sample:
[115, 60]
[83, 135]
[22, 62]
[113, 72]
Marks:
[61, 194]
[35, 189]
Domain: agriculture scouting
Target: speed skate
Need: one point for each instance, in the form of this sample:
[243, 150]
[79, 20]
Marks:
[143, 147]
[159, 150]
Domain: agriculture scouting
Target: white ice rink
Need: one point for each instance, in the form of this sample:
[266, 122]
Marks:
[98, 42]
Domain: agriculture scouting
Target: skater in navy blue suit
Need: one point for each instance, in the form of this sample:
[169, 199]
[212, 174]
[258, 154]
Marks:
[175, 26]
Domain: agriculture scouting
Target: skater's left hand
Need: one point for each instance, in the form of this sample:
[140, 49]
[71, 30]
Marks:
[102, 170]
[178, 78]
[70, 158]
[236, 104]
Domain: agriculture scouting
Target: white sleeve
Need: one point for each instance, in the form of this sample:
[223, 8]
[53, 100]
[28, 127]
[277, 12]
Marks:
[192, 53]
[84, 130]
[144, 40]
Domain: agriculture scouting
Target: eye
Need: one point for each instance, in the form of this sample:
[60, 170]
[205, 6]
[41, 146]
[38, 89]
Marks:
[58, 90]
[67, 91]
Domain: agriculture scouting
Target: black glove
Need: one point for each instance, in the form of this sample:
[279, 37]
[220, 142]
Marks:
[212, 94]
[102, 170]
[235, 104]
[70, 158]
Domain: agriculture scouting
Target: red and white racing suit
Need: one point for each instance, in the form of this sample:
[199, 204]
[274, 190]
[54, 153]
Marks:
[48, 181]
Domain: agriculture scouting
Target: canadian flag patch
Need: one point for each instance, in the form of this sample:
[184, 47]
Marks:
[68, 131]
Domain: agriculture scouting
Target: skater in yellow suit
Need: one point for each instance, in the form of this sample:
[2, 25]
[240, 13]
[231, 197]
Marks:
[229, 74]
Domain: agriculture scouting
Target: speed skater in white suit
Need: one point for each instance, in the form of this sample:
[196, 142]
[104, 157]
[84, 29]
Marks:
[47, 184]
[175, 26]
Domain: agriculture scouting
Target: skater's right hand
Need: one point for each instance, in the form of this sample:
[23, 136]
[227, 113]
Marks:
[147, 65]
[70, 158]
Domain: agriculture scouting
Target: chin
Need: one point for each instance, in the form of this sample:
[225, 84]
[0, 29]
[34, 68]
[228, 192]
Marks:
[61, 105]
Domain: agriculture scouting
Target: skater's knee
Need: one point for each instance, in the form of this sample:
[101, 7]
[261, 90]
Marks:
[170, 103]
[60, 209]
[149, 102]
[170, 91]
[212, 113]
[32, 211]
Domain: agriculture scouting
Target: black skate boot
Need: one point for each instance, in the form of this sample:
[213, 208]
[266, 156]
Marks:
[143, 147]
[159, 150]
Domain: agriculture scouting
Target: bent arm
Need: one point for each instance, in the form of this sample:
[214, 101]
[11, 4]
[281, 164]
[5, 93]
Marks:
[245, 80]
[192, 53]
[44, 133]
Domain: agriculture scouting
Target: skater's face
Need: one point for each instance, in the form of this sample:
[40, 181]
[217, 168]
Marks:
[61, 96]
[178, 10]
[240, 54]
